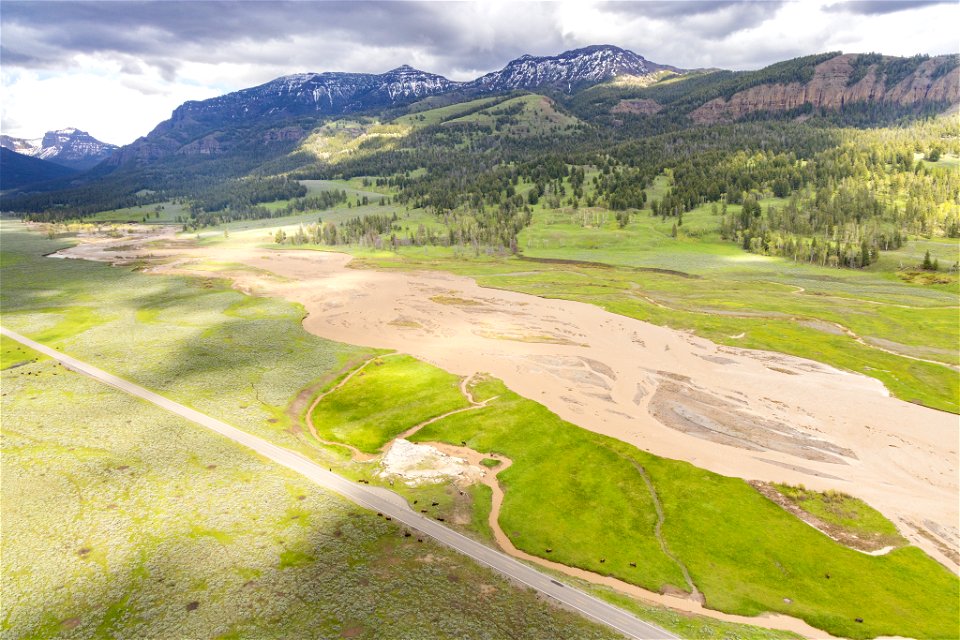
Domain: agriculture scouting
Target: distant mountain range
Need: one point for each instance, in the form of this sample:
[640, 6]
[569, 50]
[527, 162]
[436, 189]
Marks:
[323, 94]
[287, 108]
[67, 147]
[602, 85]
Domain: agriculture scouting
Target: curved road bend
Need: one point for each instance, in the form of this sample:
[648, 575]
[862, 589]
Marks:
[379, 500]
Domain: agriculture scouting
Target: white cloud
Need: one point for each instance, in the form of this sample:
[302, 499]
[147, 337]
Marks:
[94, 97]
[118, 69]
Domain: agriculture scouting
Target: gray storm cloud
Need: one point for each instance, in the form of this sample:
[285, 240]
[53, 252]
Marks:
[455, 38]
[147, 56]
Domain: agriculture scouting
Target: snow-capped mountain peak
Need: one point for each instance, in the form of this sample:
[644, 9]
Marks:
[567, 71]
[69, 147]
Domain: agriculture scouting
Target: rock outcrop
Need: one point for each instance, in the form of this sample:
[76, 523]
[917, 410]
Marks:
[640, 106]
[831, 88]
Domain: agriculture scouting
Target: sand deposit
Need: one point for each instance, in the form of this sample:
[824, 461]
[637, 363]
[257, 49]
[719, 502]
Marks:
[417, 464]
[756, 415]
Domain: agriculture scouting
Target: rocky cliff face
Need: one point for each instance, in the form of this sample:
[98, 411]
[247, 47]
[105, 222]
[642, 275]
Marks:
[639, 106]
[831, 88]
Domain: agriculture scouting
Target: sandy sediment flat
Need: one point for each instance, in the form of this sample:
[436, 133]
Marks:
[751, 414]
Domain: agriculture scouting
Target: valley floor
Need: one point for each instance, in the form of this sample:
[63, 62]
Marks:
[743, 413]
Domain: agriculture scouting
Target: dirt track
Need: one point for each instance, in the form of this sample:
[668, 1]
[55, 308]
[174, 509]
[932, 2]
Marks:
[756, 415]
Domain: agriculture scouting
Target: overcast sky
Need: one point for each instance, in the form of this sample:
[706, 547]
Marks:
[118, 68]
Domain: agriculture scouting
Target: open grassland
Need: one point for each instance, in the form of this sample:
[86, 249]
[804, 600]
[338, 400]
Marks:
[592, 509]
[158, 213]
[239, 358]
[585, 497]
[353, 208]
[344, 138]
[524, 115]
[946, 161]
[121, 520]
[387, 397]
[439, 115]
[355, 188]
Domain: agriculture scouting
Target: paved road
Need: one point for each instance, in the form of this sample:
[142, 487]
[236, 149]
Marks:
[379, 500]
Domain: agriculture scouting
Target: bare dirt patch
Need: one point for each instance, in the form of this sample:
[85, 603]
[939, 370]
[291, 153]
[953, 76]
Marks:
[693, 411]
[640, 106]
[417, 464]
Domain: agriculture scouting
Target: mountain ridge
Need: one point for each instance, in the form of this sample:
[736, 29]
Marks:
[69, 147]
[568, 70]
[19, 170]
[272, 118]
[341, 93]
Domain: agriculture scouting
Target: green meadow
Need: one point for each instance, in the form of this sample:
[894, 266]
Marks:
[522, 115]
[439, 115]
[849, 513]
[585, 500]
[121, 520]
[160, 213]
[387, 397]
[568, 490]
[239, 358]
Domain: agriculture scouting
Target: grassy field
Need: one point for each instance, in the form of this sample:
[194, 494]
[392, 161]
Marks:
[120, 520]
[158, 213]
[946, 161]
[239, 358]
[439, 115]
[523, 115]
[590, 506]
[584, 496]
[355, 189]
[350, 138]
[387, 397]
